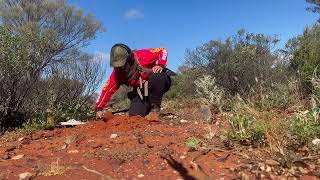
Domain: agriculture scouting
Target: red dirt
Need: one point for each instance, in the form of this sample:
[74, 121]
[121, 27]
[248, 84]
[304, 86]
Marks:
[141, 150]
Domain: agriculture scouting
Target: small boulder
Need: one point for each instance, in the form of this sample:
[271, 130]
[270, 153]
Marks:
[18, 157]
[25, 176]
[112, 136]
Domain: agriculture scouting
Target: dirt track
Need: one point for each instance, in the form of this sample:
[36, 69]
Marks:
[141, 150]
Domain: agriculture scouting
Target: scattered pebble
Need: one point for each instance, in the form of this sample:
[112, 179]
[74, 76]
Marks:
[272, 162]
[64, 146]
[140, 175]
[183, 121]
[25, 176]
[21, 139]
[73, 151]
[268, 169]
[11, 148]
[196, 122]
[182, 157]
[18, 157]
[316, 142]
[112, 136]
[6, 156]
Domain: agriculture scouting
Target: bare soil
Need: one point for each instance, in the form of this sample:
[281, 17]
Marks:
[138, 149]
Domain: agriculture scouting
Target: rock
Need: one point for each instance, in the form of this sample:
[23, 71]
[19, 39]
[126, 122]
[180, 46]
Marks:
[25, 176]
[182, 157]
[140, 140]
[268, 169]
[96, 145]
[21, 139]
[140, 175]
[10, 148]
[112, 136]
[48, 134]
[73, 151]
[64, 146]
[244, 176]
[18, 157]
[6, 156]
[303, 171]
[272, 162]
[316, 142]
[183, 121]
[36, 136]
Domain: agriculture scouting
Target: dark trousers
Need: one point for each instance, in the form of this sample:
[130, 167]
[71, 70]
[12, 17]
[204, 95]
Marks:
[159, 83]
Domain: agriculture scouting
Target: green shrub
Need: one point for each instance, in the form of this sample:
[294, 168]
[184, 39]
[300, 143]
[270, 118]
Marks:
[193, 143]
[305, 126]
[247, 125]
[38, 121]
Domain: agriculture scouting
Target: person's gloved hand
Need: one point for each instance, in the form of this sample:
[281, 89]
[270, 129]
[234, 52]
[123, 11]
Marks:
[99, 114]
[104, 115]
[157, 69]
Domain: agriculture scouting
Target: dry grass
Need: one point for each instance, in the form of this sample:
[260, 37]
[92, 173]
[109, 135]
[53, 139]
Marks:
[54, 169]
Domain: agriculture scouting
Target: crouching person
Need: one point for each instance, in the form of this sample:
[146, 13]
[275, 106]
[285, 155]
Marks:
[145, 72]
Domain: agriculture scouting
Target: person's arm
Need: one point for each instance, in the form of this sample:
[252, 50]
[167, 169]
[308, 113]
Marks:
[161, 55]
[110, 88]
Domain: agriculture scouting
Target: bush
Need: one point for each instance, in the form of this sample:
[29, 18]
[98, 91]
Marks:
[306, 55]
[193, 143]
[243, 64]
[209, 92]
[305, 126]
[247, 126]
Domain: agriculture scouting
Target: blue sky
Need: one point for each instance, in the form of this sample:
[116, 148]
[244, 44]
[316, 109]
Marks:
[181, 24]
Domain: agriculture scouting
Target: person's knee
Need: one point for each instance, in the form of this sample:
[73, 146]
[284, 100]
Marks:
[157, 78]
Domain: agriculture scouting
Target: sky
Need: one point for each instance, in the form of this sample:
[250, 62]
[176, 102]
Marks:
[181, 24]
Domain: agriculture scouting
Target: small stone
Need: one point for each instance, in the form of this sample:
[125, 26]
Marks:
[6, 156]
[268, 169]
[73, 151]
[48, 134]
[232, 169]
[316, 142]
[36, 136]
[140, 140]
[263, 168]
[170, 124]
[272, 162]
[182, 157]
[11, 148]
[25, 176]
[303, 171]
[112, 136]
[18, 157]
[244, 176]
[64, 146]
[140, 175]
[196, 122]
[96, 145]
[183, 121]
[21, 139]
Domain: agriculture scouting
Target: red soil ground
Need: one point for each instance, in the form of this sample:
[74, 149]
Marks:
[141, 150]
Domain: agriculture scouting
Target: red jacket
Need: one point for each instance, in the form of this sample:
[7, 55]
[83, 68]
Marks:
[148, 58]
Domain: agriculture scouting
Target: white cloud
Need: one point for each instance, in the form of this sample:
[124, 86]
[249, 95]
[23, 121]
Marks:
[133, 14]
[101, 57]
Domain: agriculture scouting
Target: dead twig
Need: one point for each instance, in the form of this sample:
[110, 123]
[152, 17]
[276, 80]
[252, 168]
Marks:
[98, 173]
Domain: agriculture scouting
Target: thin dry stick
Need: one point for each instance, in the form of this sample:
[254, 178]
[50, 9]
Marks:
[98, 173]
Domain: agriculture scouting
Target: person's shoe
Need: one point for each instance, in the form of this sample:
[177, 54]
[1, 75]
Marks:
[153, 116]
